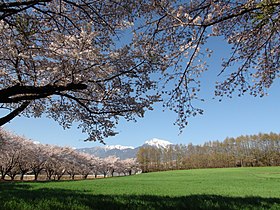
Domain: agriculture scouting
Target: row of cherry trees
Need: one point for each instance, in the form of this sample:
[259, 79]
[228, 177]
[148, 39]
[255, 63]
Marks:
[253, 150]
[19, 157]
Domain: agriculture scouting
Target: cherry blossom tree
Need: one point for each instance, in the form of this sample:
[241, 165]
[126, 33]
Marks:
[93, 62]
[14, 154]
[85, 164]
[62, 59]
[19, 152]
[95, 163]
[107, 165]
[111, 164]
[52, 161]
[130, 166]
[38, 158]
[8, 154]
[69, 164]
[7, 162]
[60, 161]
[24, 158]
[119, 167]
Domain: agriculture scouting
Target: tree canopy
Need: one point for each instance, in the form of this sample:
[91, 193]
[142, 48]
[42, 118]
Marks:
[93, 62]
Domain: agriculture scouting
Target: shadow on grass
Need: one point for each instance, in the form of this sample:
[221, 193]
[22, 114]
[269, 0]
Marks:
[21, 196]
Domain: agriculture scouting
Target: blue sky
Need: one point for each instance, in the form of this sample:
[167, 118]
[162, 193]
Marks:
[229, 118]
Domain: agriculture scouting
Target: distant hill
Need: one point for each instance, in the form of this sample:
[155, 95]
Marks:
[123, 152]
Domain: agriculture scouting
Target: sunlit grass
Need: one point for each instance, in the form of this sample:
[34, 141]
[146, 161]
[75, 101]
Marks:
[233, 188]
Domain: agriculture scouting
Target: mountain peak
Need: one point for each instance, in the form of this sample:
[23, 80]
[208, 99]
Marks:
[158, 143]
[123, 152]
[119, 147]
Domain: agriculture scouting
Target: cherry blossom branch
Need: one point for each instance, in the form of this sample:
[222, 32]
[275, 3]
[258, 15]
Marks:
[192, 56]
[130, 71]
[94, 112]
[240, 13]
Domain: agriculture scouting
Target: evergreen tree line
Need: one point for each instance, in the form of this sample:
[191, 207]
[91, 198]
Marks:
[243, 151]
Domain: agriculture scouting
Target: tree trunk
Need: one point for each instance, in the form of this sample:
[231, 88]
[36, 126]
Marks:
[49, 174]
[13, 177]
[3, 175]
[59, 176]
[36, 176]
[23, 172]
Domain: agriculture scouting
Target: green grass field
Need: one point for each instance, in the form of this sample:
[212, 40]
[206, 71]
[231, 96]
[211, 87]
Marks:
[233, 188]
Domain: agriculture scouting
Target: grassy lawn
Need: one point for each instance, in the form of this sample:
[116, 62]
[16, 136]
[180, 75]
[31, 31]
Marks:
[233, 188]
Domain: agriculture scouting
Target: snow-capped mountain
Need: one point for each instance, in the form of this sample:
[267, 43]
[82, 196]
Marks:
[159, 143]
[123, 152]
[120, 147]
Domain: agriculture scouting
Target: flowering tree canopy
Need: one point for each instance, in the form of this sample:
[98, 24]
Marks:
[93, 62]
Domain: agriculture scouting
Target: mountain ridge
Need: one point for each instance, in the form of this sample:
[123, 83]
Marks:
[123, 152]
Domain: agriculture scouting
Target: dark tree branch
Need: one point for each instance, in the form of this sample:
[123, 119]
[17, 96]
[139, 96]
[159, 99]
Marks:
[12, 8]
[4, 6]
[192, 57]
[14, 113]
[242, 11]
[18, 93]
[116, 112]
[89, 15]
[130, 71]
